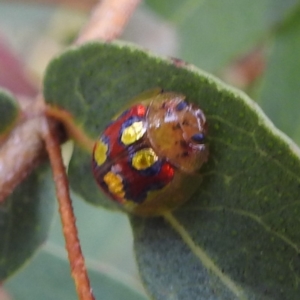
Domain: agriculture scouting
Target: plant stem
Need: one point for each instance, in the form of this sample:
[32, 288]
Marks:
[26, 143]
[20, 154]
[73, 131]
[107, 20]
[78, 269]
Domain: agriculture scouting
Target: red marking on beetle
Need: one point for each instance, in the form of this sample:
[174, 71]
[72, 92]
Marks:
[167, 170]
[141, 110]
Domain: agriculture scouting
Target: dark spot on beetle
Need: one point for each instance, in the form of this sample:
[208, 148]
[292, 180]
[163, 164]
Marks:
[176, 126]
[184, 154]
[183, 143]
[198, 138]
[181, 105]
[185, 122]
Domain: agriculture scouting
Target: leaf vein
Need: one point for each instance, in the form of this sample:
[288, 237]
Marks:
[204, 258]
[259, 221]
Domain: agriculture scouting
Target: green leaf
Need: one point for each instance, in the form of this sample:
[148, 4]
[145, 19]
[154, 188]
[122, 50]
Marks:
[280, 90]
[238, 237]
[213, 33]
[105, 237]
[106, 241]
[48, 277]
[25, 219]
[9, 112]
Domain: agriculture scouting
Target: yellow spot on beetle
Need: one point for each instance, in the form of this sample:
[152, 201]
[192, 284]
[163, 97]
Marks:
[133, 133]
[100, 152]
[144, 159]
[114, 184]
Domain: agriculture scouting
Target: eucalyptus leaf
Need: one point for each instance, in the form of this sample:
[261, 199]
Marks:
[238, 237]
[9, 111]
[106, 242]
[213, 33]
[280, 89]
[101, 232]
[49, 278]
[25, 219]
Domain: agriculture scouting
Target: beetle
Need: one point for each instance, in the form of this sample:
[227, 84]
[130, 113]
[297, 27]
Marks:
[147, 158]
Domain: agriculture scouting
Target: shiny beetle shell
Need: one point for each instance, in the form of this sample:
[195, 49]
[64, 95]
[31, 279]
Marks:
[147, 157]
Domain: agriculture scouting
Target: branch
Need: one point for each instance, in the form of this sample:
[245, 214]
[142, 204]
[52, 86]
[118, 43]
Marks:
[26, 144]
[108, 20]
[19, 155]
[76, 259]
[23, 149]
[73, 131]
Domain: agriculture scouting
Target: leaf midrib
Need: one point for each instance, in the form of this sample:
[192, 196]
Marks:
[204, 258]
